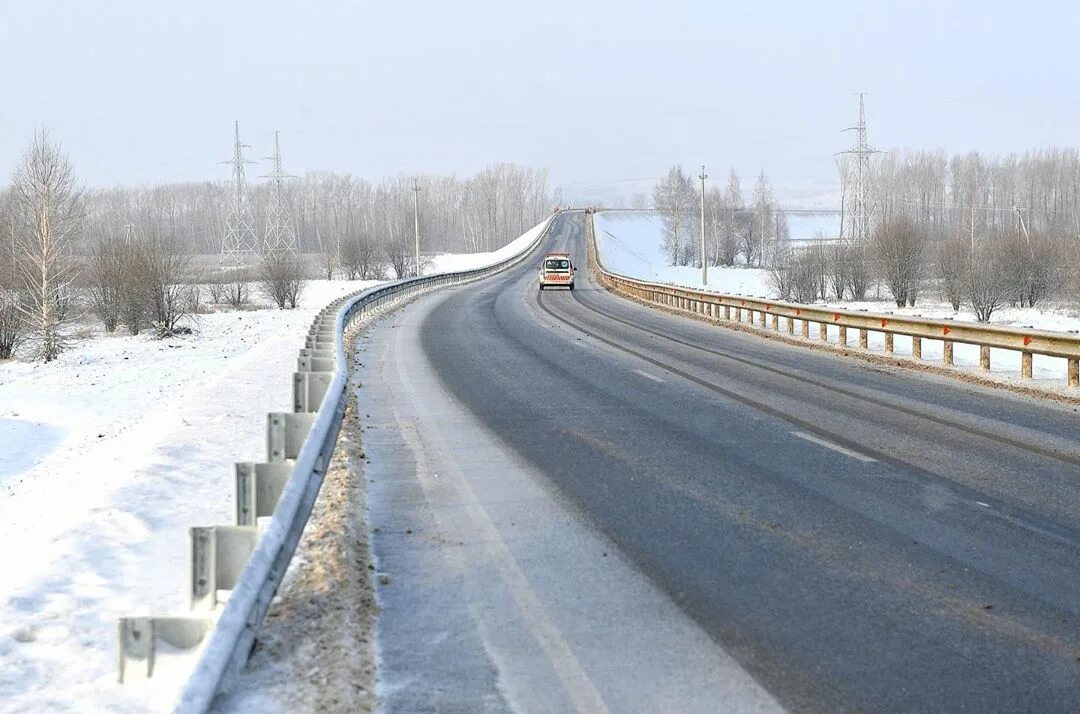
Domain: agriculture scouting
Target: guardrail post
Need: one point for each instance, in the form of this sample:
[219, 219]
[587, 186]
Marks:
[217, 556]
[309, 388]
[727, 312]
[791, 325]
[285, 434]
[1025, 365]
[1074, 372]
[776, 322]
[306, 363]
[806, 329]
[863, 340]
[843, 336]
[946, 353]
[984, 358]
[139, 636]
[889, 343]
[916, 347]
[257, 490]
[823, 331]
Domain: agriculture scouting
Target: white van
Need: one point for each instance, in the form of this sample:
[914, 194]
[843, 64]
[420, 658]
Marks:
[557, 269]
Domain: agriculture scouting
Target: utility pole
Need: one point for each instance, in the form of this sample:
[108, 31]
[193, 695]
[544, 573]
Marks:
[862, 153]
[704, 261]
[416, 221]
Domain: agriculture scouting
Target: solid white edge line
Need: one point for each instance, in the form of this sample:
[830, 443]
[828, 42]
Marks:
[834, 447]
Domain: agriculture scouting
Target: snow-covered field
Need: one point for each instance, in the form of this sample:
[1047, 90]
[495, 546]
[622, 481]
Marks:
[107, 456]
[631, 243]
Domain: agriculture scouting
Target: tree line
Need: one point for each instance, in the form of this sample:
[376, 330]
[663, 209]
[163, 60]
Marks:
[146, 258]
[734, 230]
[978, 232]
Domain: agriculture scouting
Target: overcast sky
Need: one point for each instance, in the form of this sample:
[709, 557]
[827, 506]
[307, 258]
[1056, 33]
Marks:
[603, 93]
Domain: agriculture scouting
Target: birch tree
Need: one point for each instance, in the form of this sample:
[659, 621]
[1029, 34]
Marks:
[676, 200]
[48, 214]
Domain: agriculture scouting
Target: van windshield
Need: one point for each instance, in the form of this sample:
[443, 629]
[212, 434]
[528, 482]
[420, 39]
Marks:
[557, 264]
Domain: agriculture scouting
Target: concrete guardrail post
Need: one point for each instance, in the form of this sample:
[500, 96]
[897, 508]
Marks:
[916, 347]
[1025, 365]
[984, 358]
[947, 353]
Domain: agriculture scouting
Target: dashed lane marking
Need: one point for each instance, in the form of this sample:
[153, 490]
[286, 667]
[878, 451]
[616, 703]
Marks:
[834, 447]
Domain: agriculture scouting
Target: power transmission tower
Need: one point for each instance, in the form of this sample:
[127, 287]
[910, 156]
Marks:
[704, 261]
[861, 214]
[279, 236]
[240, 244]
[416, 220]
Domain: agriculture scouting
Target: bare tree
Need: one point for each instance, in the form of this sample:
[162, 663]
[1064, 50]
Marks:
[953, 263]
[167, 271]
[48, 213]
[676, 200]
[398, 254]
[12, 323]
[858, 271]
[899, 247]
[988, 281]
[106, 271]
[282, 279]
[764, 207]
[237, 286]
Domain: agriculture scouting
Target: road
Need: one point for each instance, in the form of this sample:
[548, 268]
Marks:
[585, 504]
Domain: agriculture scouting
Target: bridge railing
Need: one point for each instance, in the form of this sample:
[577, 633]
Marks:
[797, 318]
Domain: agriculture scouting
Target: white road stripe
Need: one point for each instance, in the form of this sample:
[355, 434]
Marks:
[646, 375]
[835, 447]
[984, 505]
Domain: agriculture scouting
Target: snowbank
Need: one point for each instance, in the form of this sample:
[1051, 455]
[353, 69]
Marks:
[631, 244]
[107, 456]
[454, 262]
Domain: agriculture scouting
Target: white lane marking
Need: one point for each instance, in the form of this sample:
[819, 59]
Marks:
[646, 375]
[984, 505]
[835, 447]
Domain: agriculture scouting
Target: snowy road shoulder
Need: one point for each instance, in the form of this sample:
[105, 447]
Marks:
[112, 452]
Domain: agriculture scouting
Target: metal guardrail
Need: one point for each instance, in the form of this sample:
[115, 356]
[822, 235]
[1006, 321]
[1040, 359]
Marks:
[248, 560]
[760, 311]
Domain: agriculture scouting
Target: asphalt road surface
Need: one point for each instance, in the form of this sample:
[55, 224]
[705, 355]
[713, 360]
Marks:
[583, 504]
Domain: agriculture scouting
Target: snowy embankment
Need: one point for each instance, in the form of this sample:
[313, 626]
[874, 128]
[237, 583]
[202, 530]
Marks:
[631, 244]
[454, 262]
[107, 456]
